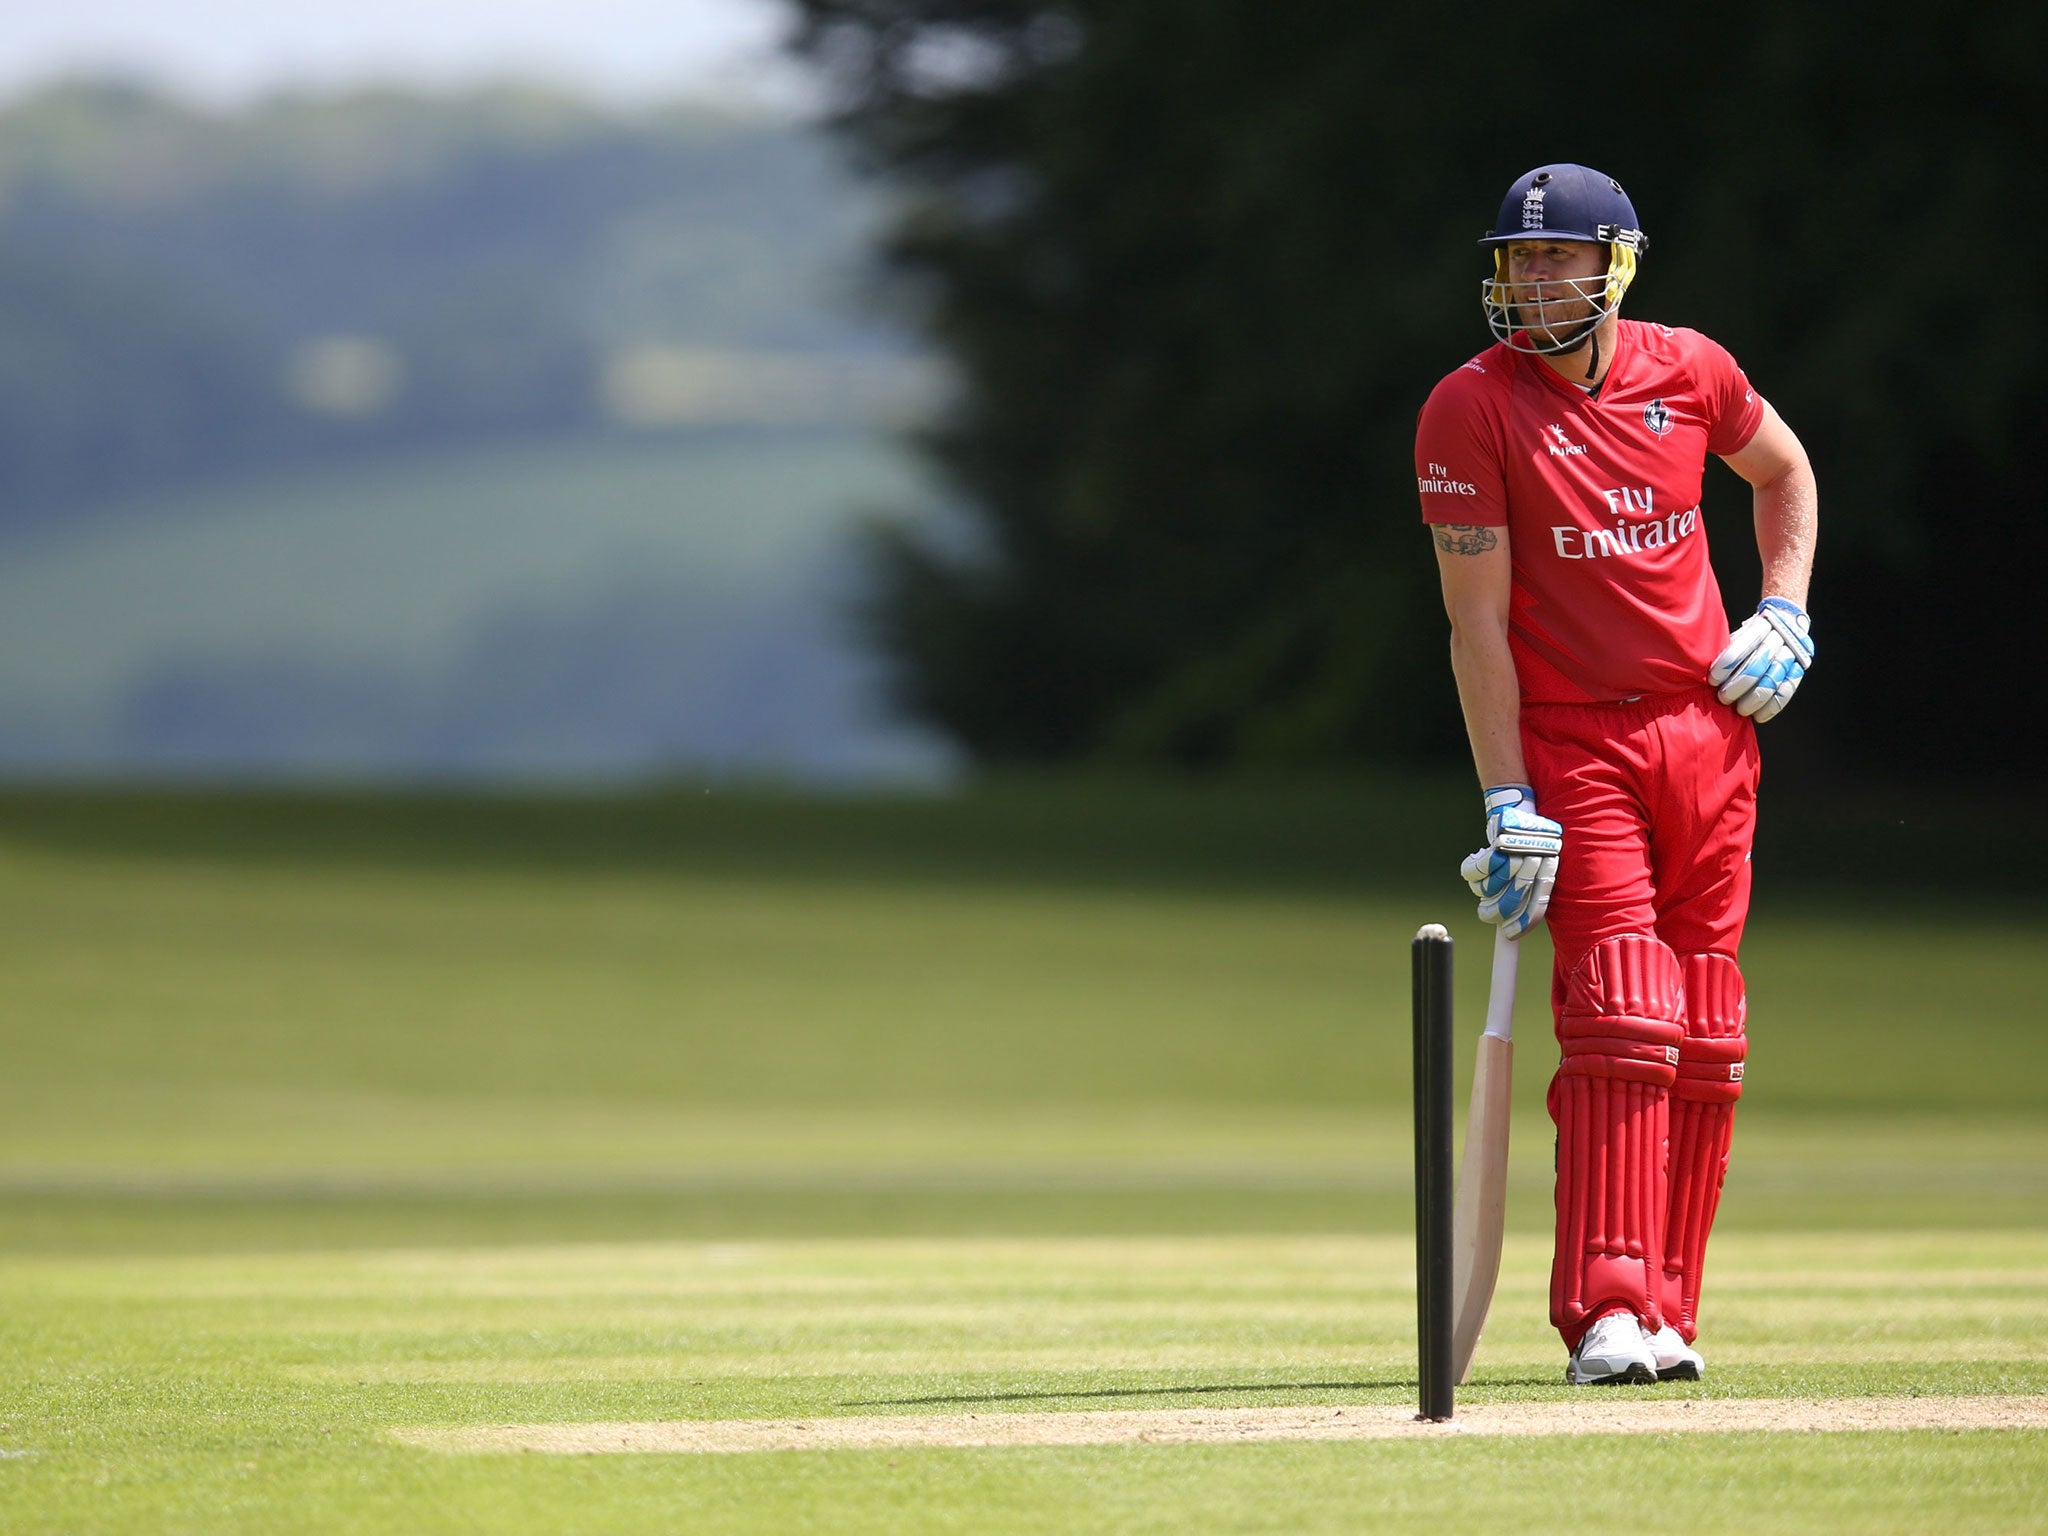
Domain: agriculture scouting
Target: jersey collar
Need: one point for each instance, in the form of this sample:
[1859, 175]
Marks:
[1624, 346]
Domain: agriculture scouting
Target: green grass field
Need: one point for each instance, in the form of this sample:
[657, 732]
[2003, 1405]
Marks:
[326, 1118]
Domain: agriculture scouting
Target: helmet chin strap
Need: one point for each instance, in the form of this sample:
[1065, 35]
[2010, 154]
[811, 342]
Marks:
[1588, 329]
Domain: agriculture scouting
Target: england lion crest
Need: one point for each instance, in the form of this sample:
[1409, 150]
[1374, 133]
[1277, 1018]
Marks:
[1656, 418]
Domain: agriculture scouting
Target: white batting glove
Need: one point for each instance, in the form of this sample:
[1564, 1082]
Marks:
[1765, 659]
[1513, 874]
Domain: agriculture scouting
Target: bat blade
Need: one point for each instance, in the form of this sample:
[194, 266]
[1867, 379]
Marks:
[1479, 1215]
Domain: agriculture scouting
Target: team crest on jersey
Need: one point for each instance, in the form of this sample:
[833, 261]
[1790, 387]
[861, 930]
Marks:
[1656, 418]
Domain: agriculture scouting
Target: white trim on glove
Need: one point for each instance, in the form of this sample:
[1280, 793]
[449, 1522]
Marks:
[1513, 874]
[1765, 660]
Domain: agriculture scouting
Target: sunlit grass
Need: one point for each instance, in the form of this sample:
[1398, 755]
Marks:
[259, 1393]
[320, 1119]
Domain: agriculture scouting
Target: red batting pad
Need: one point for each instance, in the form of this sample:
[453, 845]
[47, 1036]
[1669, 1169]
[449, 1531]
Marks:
[1711, 1055]
[1702, 1122]
[1622, 1010]
[1620, 1031]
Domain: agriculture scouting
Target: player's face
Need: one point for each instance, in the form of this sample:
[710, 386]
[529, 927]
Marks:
[1553, 283]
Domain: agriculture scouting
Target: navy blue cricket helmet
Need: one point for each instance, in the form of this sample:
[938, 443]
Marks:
[1567, 202]
[1563, 202]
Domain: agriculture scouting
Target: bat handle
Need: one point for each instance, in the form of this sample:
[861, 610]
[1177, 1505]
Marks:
[1500, 997]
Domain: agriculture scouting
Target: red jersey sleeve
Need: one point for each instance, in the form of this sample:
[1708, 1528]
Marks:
[1733, 410]
[1458, 472]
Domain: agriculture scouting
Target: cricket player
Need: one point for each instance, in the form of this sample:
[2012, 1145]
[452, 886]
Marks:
[1613, 718]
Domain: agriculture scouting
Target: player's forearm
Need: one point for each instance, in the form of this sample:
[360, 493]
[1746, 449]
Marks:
[1491, 698]
[1787, 511]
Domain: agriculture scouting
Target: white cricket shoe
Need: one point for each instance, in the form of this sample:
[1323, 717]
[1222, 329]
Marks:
[1675, 1359]
[1613, 1351]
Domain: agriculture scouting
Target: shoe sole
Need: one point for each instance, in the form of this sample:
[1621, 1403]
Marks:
[1685, 1370]
[1637, 1375]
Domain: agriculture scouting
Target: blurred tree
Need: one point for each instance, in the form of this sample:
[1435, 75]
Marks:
[1198, 262]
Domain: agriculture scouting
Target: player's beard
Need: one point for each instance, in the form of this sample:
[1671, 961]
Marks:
[1557, 312]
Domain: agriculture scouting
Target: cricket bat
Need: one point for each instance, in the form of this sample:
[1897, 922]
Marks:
[1481, 1208]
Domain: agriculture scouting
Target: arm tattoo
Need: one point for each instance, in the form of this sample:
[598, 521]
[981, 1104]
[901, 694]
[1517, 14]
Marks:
[1465, 538]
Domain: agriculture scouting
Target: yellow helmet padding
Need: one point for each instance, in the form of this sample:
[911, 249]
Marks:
[1621, 271]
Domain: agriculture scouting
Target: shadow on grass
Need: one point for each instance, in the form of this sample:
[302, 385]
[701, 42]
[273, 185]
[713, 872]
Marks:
[1035, 1397]
[1249, 832]
[1408, 1384]
[1294, 834]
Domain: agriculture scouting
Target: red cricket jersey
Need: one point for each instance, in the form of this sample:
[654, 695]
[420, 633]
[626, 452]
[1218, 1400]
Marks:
[1613, 593]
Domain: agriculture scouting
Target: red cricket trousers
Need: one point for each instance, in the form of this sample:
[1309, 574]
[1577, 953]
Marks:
[1657, 797]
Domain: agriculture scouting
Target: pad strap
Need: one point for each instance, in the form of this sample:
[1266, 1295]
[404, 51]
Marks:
[1716, 1040]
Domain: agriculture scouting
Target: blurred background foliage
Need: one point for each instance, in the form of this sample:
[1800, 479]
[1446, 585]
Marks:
[1198, 262]
[498, 432]
[475, 434]
[190, 292]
